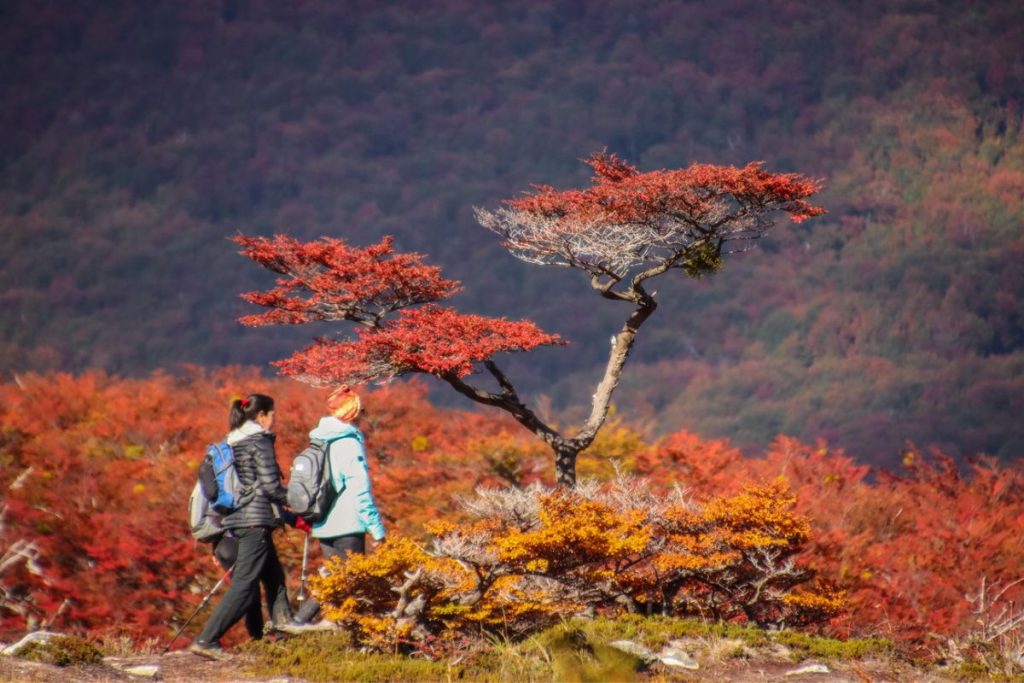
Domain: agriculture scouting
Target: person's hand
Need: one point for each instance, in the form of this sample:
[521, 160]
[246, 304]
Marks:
[302, 525]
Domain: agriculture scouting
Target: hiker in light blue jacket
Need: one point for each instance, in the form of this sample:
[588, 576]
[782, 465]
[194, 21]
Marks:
[353, 513]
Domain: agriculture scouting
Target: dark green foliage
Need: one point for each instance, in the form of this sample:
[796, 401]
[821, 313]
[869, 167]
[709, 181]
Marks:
[705, 259]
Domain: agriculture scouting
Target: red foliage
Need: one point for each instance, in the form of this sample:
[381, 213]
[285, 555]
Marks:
[434, 340]
[96, 473]
[328, 280]
[907, 548]
[698, 194]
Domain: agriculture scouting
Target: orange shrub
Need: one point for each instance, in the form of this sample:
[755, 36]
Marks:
[533, 556]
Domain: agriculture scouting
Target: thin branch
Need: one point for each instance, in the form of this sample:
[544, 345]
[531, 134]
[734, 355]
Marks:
[664, 266]
[475, 393]
[503, 381]
[510, 403]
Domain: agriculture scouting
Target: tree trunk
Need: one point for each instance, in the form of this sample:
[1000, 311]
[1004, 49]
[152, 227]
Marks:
[565, 465]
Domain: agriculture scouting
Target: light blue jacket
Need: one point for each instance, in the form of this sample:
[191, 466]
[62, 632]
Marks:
[353, 511]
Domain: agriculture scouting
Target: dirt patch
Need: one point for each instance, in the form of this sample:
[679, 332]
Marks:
[175, 666]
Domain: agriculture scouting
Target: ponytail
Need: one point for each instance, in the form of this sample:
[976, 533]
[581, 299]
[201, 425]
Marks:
[245, 409]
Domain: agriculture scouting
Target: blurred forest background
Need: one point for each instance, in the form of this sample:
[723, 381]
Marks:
[139, 136]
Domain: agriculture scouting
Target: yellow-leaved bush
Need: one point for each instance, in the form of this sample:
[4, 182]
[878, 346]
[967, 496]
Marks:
[535, 555]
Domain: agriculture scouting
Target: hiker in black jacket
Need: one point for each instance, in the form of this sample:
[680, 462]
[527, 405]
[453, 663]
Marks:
[251, 420]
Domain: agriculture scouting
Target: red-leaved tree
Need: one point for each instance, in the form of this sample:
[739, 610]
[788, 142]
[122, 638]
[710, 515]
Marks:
[624, 230]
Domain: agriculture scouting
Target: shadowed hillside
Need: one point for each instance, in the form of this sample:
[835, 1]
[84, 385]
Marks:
[139, 136]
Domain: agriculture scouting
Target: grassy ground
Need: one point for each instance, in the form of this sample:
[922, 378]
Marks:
[580, 650]
[577, 650]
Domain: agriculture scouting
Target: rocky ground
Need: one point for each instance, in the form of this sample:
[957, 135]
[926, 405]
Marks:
[39, 657]
[183, 666]
[174, 666]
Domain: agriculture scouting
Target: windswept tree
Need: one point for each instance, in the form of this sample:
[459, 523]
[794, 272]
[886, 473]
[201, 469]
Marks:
[624, 230]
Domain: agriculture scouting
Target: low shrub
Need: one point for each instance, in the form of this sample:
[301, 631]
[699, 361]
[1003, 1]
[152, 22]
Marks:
[533, 557]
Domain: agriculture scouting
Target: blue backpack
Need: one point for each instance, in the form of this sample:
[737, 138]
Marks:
[219, 479]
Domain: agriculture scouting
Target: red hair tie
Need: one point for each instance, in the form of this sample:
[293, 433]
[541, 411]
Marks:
[245, 403]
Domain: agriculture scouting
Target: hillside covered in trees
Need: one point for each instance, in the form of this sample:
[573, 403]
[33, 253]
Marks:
[140, 136]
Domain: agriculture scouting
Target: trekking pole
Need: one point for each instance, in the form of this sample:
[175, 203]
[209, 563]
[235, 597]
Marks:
[198, 609]
[302, 576]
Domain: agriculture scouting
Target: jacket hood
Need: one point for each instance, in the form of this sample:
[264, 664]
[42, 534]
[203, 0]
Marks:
[331, 428]
[244, 432]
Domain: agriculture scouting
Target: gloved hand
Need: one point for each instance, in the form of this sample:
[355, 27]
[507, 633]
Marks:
[302, 525]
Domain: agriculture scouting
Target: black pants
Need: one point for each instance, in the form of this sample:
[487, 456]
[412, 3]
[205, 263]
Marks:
[226, 552]
[257, 562]
[339, 546]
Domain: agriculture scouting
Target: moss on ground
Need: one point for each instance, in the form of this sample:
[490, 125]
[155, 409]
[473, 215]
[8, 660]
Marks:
[806, 645]
[62, 651]
[982, 671]
[331, 657]
[654, 632]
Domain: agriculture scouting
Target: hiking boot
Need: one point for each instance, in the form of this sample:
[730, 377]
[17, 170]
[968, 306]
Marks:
[209, 651]
[307, 611]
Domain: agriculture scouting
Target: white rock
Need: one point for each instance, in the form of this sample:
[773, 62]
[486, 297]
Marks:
[678, 663]
[34, 637]
[148, 670]
[677, 658]
[809, 669]
[635, 649]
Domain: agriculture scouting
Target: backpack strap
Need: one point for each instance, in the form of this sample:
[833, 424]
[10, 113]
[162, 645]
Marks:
[327, 461]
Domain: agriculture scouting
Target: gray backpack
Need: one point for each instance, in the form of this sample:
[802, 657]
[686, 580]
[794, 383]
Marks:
[310, 491]
[203, 520]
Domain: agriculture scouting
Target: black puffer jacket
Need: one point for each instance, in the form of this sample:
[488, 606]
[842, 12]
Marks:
[258, 472]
